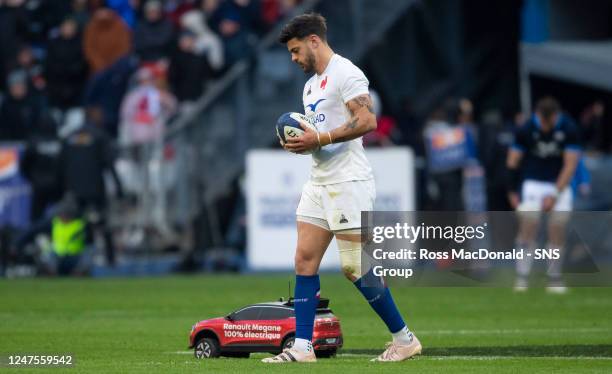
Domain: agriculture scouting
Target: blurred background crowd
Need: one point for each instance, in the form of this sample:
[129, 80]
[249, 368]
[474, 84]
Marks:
[59, 55]
[81, 79]
[126, 123]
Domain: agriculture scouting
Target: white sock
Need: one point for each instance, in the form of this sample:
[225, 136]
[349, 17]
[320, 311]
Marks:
[303, 345]
[555, 267]
[523, 266]
[403, 336]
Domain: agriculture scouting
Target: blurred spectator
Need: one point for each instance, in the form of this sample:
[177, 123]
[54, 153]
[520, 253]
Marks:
[465, 114]
[474, 185]
[65, 68]
[446, 156]
[381, 137]
[144, 113]
[106, 89]
[43, 18]
[125, 9]
[409, 127]
[26, 62]
[273, 10]
[464, 117]
[20, 110]
[519, 119]
[106, 39]
[495, 137]
[209, 8]
[591, 121]
[40, 166]
[13, 32]
[189, 71]
[94, 5]
[236, 21]
[154, 35]
[581, 182]
[175, 9]
[70, 235]
[145, 109]
[86, 155]
[80, 13]
[207, 43]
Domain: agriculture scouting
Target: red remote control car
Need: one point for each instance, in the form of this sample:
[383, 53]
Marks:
[263, 327]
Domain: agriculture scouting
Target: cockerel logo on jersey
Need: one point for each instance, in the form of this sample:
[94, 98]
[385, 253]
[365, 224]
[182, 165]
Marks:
[324, 83]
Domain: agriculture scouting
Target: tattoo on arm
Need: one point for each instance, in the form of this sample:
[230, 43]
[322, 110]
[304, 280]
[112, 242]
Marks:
[364, 101]
[359, 123]
[352, 123]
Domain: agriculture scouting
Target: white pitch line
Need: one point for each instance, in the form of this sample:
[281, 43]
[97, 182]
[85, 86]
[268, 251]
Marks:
[486, 358]
[514, 331]
[481, 358]
[467, 358]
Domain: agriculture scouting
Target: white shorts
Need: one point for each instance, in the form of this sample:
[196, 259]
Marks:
[533, 193]
[336, 206]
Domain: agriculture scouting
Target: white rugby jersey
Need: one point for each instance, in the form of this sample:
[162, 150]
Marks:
[324, 100]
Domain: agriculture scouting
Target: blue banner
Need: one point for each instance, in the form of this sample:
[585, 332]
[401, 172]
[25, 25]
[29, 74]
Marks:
[15, 193]
[448, 148]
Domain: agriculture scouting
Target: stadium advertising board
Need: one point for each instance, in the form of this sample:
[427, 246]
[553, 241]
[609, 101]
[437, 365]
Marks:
[14, 189]
[275, 180]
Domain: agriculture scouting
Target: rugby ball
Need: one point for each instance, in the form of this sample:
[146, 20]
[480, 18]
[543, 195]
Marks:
[288, 126]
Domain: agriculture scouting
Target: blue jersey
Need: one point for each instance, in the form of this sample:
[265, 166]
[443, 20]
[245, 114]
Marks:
[543, 151]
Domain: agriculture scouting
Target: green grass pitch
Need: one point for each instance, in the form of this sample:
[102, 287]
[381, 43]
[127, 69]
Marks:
[142, 325]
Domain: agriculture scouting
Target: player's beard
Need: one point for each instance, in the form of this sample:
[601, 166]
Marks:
[309, 64]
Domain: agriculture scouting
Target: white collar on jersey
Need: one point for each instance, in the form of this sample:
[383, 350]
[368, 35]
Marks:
[333, 56]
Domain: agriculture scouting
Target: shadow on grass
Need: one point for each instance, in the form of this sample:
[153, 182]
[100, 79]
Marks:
[601, 350]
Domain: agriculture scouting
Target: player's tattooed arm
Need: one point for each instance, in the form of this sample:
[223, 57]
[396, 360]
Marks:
[362, 101]
[362, 121]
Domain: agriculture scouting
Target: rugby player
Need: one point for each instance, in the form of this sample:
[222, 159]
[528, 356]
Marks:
[341, 185]
[542, 162]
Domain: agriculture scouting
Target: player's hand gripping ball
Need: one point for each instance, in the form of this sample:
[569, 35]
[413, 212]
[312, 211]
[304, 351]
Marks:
[292, 126]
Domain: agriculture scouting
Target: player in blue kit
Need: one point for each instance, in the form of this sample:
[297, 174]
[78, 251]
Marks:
[337, 101]
[541, 163]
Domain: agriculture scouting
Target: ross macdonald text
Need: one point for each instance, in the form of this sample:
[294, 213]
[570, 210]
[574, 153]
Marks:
[467, 254]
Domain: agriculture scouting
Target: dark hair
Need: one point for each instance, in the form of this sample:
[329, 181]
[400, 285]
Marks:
[304, 25]
[547, 107]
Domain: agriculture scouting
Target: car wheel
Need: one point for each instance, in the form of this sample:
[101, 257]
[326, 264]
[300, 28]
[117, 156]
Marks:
[288, 343]
[326, 354]
[206, 348]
